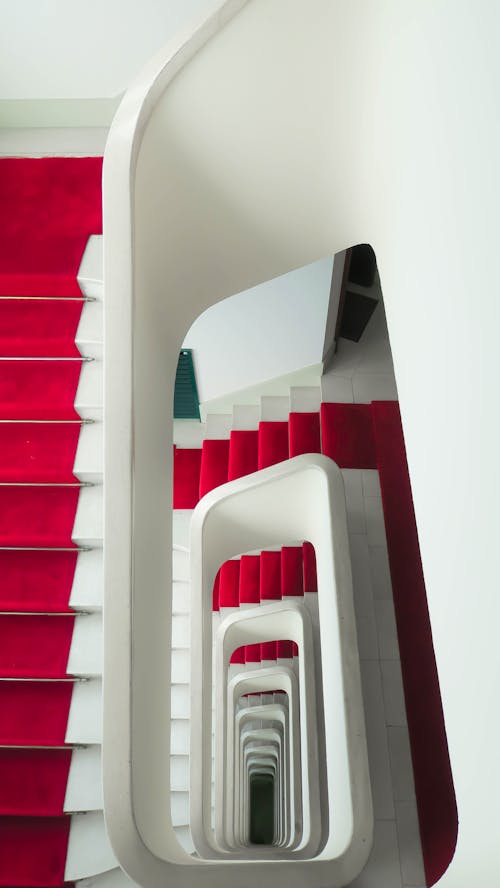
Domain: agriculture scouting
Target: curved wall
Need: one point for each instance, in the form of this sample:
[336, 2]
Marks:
[340, 123]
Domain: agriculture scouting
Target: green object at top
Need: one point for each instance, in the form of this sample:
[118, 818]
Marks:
[186, 403]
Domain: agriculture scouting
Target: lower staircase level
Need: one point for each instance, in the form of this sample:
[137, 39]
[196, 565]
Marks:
[51, 546]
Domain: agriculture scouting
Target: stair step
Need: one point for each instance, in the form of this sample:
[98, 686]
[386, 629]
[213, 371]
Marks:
[89, 335]
[87, 591]
[229, 585]
[88, 527]
[305, 399]
[274, 408]
[243, 454]
[85, 655]
[245, 417]
[187, 466]
[35, 646]
[347, 435]
[38, 516]
[214, 465]
[179, 805]
[304, 430]
[189, 433]
[89, 849]
[84, 786]
[218, 426]
[89, 396]
[91, 272]
[273, 443]
[270, 576]
[40, 389]
[292, 578]
[249, 580]
[89, 458]
[36, 580]
[179, 737]
[85, 720]
[32, 781]
[34, 713]
[309, 559]
[180, 666]
[31, 328]
[38, 452]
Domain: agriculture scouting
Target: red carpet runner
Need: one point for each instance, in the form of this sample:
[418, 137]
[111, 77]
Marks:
[48, 210]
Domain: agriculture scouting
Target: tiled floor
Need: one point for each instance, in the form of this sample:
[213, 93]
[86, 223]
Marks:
[363, 372]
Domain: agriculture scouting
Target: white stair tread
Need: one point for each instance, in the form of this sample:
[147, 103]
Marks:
[89, 849]
[179, 737]
[89, 334]
[91, 273]
[246, 416]
[305, 399]
[85, 713]
[274, 408]
[218, 425]
[85, 653]
[183, 835]
[88, 527]
[179, 773]
[181, 597]
[89, 394]
[88, 582]
[88, 465]
[181, 519]
[181, 631]
[180, 701]
[179, 806]
[189, 433]
[180, 667]
[114, 878]
[84, 787]
[180, 565]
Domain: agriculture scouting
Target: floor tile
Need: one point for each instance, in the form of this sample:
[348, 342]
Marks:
[401, 765]
[336, 389]
[410, 852]
[363, 598]
[374, 517]
[383, 869]
[368, 387]
[376, 735]
[394, 701]
[354, 500]
[371, 482]
[386, 628]
[380, 572]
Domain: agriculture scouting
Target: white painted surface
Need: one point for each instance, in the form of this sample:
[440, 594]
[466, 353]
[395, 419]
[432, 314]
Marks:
[84, 787]
[85, 713]
[85, 653]
[99, 52]
[262, 333]
[87, 591]
[260, 196]
[89, 851]
[89, 457]
[88, 526]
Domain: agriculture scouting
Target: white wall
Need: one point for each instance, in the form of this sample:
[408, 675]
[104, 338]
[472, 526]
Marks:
[268, 331]
[362, 122]
[59, 49]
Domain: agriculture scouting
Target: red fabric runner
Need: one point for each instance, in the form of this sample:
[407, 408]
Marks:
[431, 764]
[48, 209]
[249, 579]
[347, 435]
[33, 851]
[31, 328]
[273, 443]
[38, 452]
[38, 389]
[242, 453]
[292, 581]
[34, 713]
[229, 588]
[36, 581]
[214, 465]
[186, 478]
[310, 578]
[304, 433]
[270, 576]
[33, 781]
[33, 646]
[37, 516]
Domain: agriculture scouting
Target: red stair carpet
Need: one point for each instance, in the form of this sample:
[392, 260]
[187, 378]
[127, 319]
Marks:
[48, 210]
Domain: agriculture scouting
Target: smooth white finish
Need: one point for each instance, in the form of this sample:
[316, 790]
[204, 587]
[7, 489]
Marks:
[85, 713]
[89, 851]
[260, 196]
[85, 653]
[87, 591]
[88, 526]
[91, 273]
[88, 398]
[89, 457]
[266, 332]
[84, 787]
